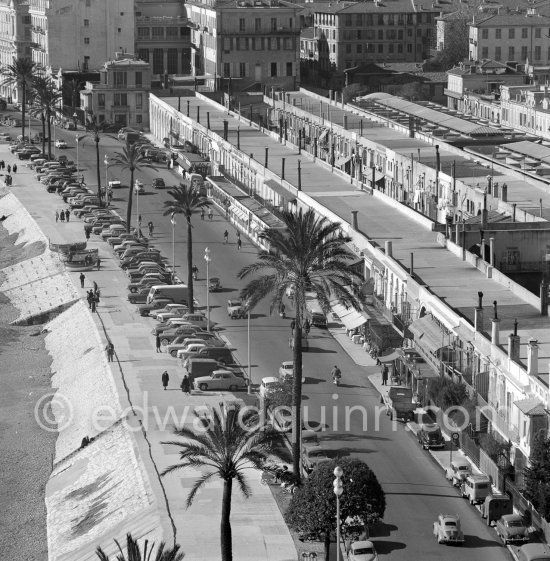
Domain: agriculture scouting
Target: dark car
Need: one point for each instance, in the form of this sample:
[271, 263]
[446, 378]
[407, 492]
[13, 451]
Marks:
[429, 436]
[158, 183]
[140, 297]
[145, 309]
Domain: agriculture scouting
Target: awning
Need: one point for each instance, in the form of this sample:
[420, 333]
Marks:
[378, 176]
[530, 406]
[278, 188]
[390, 357]
[349, 317]
[427, 335]
[184, 165]
[323, 135]
[342, 161]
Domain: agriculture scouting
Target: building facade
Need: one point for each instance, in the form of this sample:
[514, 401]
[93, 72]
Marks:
[122, 95]
[80, 35]
[162, 36]
[255, 43]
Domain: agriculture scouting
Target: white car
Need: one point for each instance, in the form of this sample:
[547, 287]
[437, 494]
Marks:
[115, 184]
[190, 350]
[198, 319]
[362, 551]
[286, 370]
[268, 385]
[59, 143]
[139, 187]
[220, 380]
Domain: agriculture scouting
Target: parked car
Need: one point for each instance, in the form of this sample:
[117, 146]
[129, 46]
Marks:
[496, 506]
[158, 183]
[458, 470]
[139, 187]
[139, 297]
[286, 370]
[475, 488]
[533, 552]
[60, 143]
[145, 309]
[220, 380]
[170, 334]
[312, 457]
[181, 342]
[447, 529]
[199, 320]
[362, 551]
[512, 528]
[169, 308]
[429, 436]
[174, 322]
[235, 309]
[114, 184]
[148, 279]
[215, 284]
[268, 385]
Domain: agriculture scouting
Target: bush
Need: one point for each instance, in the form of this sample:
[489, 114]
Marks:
[446, 393]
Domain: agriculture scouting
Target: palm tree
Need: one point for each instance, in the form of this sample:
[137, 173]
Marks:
[308, 255]
[187, 200]
[20, 73]
[131, 159]
[45, 104]
[135, 553]
[226, 446]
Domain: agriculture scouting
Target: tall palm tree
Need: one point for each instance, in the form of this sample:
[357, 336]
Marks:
[186, 200]
[307, 255]
[225, 448]
[135, 553]
[133, 160]
[20, 73]
[45, 104]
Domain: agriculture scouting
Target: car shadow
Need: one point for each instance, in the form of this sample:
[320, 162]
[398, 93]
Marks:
[471, 541]
[381, 530]
[344, 452]
[384, 547]
[318, 350]
[310, 380]
[346, 437]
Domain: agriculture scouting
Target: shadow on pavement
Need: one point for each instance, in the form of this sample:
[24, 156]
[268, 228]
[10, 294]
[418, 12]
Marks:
[476, 541]
[320, 351]
[385, 547]
[348, 437]
[382, 530]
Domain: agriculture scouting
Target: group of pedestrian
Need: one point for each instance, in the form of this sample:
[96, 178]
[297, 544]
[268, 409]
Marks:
[239, 241]
[8, 168]
[93, 295]
[185, 383]
[63, 215]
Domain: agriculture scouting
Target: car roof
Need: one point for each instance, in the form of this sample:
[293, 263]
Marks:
[429, 426]
[479, 477]
[509, 517]
[535, 549]
[270, 380]
[364, 543]
[461, 462]
[286, 363]
[308, 433]
[449, 517]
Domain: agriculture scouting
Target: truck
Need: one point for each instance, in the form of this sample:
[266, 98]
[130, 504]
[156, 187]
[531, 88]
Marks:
[399, 403]
[178, 293]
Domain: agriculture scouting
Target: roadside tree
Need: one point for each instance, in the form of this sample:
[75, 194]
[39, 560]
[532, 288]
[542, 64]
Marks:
[186, 200]
[312, 509]
[45, 100]
[307, 255]
[225, 445]
[133, 551]
[537, 476]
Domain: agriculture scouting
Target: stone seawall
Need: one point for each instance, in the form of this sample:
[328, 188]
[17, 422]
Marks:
[100, 492]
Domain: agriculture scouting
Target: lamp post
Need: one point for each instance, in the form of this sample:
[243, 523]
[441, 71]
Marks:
[173, 222]
[54, 150]
[207, 258]
[249, 391]
[75, 117]
[138, 221]
[338, 490]
[106, 162]
[77, 139]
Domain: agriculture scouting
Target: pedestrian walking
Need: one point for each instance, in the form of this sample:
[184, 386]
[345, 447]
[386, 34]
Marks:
[96, 288]
[57, 216]
[139, 220]
[67, 214]
[2, 164]
[98, 263]
[151, 228]
[239, 244]
[89, 297]
[282, 311]
[210, 214]
[165, 379]
[110, 350]
[82, 278]
[202, 214]
[62, 216]
[93, 304]
[385, 375]
[186, 385]
[14, 168]
[87, 233]
[159, 350]
[307, 327]
[225, 237]
[292, 325]
[9, 168]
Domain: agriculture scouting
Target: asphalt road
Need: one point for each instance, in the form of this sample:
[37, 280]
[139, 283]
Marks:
[416, 490]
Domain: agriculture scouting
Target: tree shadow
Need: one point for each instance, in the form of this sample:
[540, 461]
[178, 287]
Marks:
[382, 530]
[312, 381]
[344, 452]
[320, 351]
[386, 547]
[348, 437]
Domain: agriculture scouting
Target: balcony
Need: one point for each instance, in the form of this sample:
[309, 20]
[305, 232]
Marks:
[262, 32]
[162, 20]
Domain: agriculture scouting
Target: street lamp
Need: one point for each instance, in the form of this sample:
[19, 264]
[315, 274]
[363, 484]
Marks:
[138, 221]
[207, 258]
[173, 222]
[77, 139]
[249, 352]
[338, 490]
[106, 162]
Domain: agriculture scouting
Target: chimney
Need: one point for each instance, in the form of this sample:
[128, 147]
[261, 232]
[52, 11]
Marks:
[411, 271]
[532, 357]
[354, 223]
[478, 314]
[543, 298]
[514, 343]
[388, 248]
[495, 326]
[504, 193]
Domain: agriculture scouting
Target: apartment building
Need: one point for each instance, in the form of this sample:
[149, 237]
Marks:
[255, 43]
[122, 94]
[80, 35]
[163, 36]
[523, 38]
[15, 38]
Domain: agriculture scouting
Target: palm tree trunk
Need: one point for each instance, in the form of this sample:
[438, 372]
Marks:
[98, 170]
[129, 207]
[43, 119]
[326, 543]
[297, 390]
[49, 135]
[190, 302]
[225, 527]
[24, 101]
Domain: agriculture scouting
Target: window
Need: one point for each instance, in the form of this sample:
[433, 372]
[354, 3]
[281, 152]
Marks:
[348, 48]
[242, 69]
[158, 61]
[273, 24]
[409, 48]
[380, 48]
[359, 20]
[172, 61]
[158, 32]
[400, 48]
[86, 63]
[226, 70]
[380, 34]
[258, 24]
[139, 119]
[390, 48]
[289, 68]
[359, 48]
[172, 32]
[143, 54]
[139, 100]
[380, 19]
[273, 67]
[86, 40]
[498, 33]
[139, 79]
[485, 34]
[120, 79]
[498, 53]
[537, 33]
[485, 52]
[143, 32]
[524, 33]
[290, 23]
[537, 53]
[348, 20]
[511, 53]
[400, 35]
[511, 33]
[523, 52]
[27, 19]
[120, 100]
[242, 24]
[101, 100]
[86, 23]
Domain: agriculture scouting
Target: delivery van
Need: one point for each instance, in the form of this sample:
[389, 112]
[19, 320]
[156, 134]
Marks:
[178, 293]
[197, 367]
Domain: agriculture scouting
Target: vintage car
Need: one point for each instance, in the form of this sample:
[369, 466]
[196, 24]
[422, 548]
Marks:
[214, 285]
[429, 436]
[220, 380]
[362, 551]
[286, 370]
[235, 309]
[458, 470]
[182, 342]
[512, 528]
[59, 143]
[311, 457]
[447, 529]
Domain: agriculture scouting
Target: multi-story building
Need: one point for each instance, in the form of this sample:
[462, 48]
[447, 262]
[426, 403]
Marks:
[15, 38]
[80, 35]
[521, 38]
[253, 42]
[122, 94]
[162, 36]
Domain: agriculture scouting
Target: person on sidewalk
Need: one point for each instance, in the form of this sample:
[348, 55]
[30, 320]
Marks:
[2, 164]
[98, 264]
[292, 326]
[225, 237]
[307, 327]
[14, 168]
[67, 214]
[93, 304]
[385, 375]
[210, 214]
[165, 379]
[90, 297]
[110, 350]
[96, 288]
[202, 214]
[57, 216]
[186, 385]
[9, 168]
[239, 244]
[62, 216]
[159, 350]
[82, 279]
